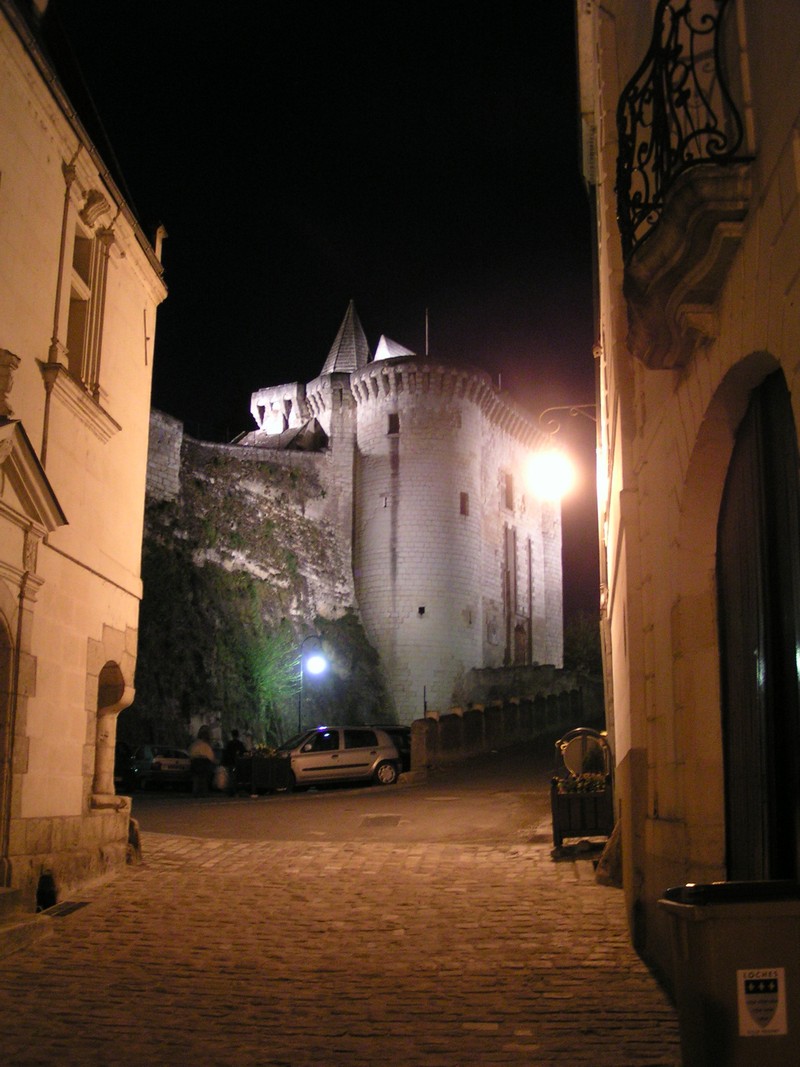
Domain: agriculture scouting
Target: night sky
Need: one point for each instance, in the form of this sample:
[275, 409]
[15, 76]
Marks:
[408, 156]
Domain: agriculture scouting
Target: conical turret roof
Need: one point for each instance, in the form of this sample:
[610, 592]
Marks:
[389, 349]
[350, 351]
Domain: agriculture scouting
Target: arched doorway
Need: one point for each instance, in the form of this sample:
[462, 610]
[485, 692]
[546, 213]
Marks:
[758, 585]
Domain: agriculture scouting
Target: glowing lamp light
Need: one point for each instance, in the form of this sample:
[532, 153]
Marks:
[551, 475]
[316, 663]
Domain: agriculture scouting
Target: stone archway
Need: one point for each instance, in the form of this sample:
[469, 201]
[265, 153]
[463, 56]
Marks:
[758, 579]
[698, 740]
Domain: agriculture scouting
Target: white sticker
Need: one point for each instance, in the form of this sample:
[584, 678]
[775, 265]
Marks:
[762, 1002]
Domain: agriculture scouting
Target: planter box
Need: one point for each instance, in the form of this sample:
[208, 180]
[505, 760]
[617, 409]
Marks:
[581, 814]
[262, 774]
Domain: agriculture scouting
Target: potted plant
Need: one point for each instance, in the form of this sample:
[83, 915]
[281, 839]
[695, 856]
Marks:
[263, 770]
[581, 792]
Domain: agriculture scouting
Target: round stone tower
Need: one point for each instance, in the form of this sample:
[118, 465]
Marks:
[449, 558]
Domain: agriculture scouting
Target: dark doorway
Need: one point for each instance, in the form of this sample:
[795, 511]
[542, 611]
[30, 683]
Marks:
[758, 582]
[6, 748]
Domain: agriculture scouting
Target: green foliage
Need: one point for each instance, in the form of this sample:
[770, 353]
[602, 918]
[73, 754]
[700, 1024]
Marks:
[276, 670]
[590, 782]
[353, 689]
[222, 642]
[204, 647]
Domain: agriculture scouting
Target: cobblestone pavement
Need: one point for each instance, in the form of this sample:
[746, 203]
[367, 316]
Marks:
[298, 953]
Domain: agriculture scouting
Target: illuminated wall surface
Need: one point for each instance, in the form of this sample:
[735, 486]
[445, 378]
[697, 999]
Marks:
[699, 331]
[77, 283]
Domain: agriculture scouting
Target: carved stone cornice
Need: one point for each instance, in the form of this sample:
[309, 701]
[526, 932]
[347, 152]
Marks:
[59, 382]
[674, 278]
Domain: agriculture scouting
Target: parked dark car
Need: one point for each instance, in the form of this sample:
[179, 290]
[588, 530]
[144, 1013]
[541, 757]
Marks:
[157, 766]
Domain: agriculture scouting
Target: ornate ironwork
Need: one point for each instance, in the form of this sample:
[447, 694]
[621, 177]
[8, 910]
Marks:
[551, 423]
[675, 113]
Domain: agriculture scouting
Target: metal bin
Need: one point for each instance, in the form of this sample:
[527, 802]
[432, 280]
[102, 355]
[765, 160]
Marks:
[736, 965]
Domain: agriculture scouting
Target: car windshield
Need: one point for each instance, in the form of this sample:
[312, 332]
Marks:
[298, 739]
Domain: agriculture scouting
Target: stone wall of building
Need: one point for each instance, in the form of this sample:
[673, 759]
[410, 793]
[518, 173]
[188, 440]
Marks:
[694, 321]
[260, 501]
[77, 280]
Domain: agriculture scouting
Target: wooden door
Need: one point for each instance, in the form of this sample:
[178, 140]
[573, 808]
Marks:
[758, 582]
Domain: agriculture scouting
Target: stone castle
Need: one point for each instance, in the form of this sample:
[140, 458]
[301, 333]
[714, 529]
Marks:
[455, 564]
[446, 555]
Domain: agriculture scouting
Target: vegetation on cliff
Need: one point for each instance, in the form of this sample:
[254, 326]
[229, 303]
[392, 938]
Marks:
[235, 575]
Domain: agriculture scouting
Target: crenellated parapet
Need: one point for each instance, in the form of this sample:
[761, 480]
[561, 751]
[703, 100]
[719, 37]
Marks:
[405, 377]
[280, 407]
[326, 394]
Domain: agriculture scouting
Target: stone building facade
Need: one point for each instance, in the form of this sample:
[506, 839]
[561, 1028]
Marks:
[690, 121]
[456, 564]
[77, 282]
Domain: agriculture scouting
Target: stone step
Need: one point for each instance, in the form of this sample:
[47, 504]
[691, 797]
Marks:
[20, 927]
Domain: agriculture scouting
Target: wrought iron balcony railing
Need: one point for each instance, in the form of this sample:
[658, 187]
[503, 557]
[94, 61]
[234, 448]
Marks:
[675, 113]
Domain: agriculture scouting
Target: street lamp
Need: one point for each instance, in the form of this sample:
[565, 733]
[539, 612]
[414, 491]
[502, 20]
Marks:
[315, 663]
[551, 473]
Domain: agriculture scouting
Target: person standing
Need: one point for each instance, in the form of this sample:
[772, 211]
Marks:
[203, 762]
[231, 753]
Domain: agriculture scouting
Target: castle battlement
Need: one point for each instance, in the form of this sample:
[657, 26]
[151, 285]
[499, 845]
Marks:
[409, 376]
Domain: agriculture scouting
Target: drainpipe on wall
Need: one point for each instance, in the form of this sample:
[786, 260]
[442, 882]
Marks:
[69, 172]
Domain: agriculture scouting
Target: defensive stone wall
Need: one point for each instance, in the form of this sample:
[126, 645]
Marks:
[566, 701]
[164, 456]
[272, 513]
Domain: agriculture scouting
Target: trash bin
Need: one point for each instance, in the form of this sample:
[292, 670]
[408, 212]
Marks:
[736, 964]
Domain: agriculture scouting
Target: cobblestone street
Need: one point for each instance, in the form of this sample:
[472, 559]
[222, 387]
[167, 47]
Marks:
[298, 953]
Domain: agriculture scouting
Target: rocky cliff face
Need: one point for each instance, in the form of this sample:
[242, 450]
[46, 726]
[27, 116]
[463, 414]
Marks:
[241, 562]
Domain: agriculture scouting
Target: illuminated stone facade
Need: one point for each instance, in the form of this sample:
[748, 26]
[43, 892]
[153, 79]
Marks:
[699, 336]
[456, 565]
[79, 287]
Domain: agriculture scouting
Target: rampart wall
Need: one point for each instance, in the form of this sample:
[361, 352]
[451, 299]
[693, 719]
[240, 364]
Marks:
[563, 700]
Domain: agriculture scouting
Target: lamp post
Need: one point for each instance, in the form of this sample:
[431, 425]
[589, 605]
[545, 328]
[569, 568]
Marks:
[315, 664]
